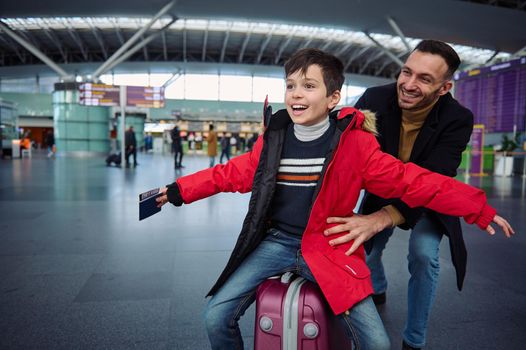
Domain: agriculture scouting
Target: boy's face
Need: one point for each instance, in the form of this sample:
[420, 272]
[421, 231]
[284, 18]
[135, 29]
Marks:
[306, 97]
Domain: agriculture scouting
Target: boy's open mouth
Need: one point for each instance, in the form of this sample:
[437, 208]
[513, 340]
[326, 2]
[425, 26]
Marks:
[299, 108]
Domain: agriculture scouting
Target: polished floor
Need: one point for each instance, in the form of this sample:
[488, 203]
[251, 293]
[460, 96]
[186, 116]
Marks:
[78, 270]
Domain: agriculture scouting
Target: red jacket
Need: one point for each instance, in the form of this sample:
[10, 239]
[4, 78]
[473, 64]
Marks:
[355, 162]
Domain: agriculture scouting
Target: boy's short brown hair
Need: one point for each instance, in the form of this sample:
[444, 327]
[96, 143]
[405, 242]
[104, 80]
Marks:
[331, 67]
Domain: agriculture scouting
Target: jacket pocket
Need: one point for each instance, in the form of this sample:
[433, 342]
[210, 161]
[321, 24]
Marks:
[353, 265]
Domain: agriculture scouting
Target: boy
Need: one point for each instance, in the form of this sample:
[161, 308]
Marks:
[306, 167]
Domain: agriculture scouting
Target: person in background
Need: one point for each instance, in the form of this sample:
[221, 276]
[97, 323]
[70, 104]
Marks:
[420, 122]
[251, 141]
[26, 140]
[191, 141]
[177, 147]
[212, 145]
[225, 148]
[50, 143]
[148, 142]
[233, 145]
[242, 144]
[130, 144]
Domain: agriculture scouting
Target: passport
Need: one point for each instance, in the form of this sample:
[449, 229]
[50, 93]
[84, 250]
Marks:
[148, 204]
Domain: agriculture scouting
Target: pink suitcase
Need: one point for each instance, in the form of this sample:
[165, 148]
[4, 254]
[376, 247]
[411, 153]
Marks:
[291, 314]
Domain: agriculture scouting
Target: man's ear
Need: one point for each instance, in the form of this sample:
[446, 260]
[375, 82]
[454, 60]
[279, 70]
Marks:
[334, 99]
[446, 87]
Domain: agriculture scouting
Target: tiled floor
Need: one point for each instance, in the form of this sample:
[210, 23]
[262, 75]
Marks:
[78, 270]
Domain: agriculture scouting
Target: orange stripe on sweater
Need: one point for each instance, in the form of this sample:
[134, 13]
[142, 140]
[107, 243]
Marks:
[299, 177]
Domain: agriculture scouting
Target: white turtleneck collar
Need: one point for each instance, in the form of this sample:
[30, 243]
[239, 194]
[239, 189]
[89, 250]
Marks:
[311, 132]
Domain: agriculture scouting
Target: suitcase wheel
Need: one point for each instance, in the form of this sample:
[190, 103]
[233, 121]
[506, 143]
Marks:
[266, 324]
[311, 330]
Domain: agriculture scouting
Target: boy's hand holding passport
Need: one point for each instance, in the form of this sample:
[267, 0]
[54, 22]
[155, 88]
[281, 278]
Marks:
[148, 203]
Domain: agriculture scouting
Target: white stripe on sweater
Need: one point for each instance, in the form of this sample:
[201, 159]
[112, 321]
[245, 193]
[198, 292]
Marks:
[310, 184]
[300, 169]
[306, 161]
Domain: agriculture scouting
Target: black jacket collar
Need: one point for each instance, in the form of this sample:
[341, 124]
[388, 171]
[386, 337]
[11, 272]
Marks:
[393, 119]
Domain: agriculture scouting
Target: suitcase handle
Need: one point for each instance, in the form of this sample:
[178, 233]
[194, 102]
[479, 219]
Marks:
[286, 277]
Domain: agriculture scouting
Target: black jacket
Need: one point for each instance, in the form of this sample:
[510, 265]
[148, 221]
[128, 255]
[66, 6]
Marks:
[438, 147]
[129, 139]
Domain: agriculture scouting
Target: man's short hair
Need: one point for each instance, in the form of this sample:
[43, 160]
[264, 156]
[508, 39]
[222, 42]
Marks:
[442, 49]
[331, 67]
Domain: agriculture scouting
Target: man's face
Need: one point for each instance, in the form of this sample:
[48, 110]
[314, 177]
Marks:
[422, 81]
[306, 97]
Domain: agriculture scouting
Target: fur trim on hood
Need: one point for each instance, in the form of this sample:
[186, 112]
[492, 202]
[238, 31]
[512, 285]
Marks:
[369, 122]
[363, 119]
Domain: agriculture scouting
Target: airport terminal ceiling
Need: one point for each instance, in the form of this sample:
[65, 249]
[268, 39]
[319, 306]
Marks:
[206, 31]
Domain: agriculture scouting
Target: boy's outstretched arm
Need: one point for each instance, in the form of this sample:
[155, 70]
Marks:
[388, 177]
[236, 175]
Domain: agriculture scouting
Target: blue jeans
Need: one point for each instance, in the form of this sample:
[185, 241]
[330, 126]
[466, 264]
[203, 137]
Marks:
[278, 253]
[424, 268]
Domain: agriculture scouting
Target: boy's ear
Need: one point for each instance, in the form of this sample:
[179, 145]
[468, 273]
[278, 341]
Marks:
[334, 99]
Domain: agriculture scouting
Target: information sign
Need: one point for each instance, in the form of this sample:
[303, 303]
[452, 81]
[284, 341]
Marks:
[496, 95]
[146, 97]
[98, 94]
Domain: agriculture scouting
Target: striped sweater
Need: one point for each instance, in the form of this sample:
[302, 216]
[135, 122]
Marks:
[299, 171]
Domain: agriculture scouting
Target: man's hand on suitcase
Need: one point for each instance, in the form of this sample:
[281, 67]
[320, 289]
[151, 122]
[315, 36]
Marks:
[360, 227]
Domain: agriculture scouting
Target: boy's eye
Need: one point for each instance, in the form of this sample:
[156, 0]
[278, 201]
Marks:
[309, 86]
[289, 86]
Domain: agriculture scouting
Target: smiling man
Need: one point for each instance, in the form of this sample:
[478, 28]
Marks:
[418, 121]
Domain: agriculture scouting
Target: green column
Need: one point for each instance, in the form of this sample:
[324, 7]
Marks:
[79, 129]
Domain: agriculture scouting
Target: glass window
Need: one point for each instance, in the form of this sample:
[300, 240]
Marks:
[221, 87]
[46, 85]
[273, 87]
[159, 79]
[343, 96]
[353, 94]
[201, 87]
[176, 89]
[130, 79]
[235, 88]
[24, 85]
